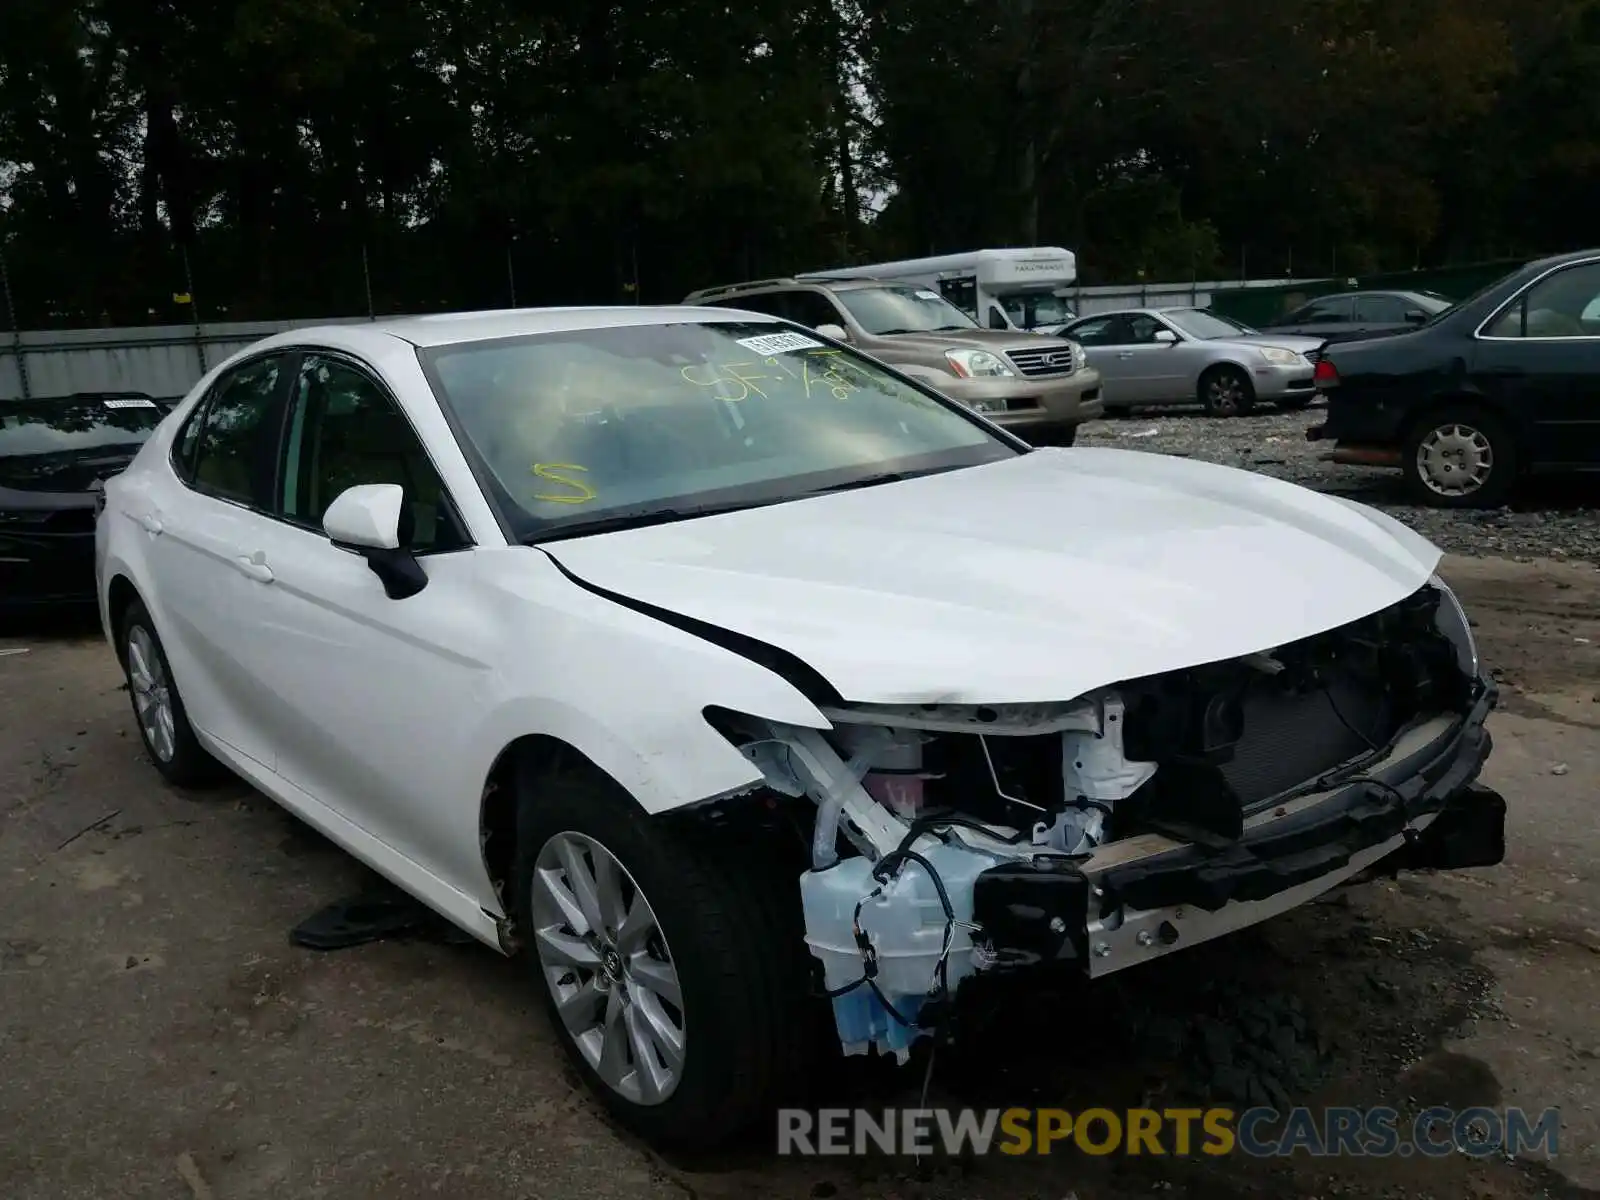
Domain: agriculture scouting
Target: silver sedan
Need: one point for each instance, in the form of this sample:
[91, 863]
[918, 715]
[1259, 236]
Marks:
[1162, 356]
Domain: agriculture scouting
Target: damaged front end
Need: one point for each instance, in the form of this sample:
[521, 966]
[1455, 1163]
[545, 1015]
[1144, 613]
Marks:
[1157, 814]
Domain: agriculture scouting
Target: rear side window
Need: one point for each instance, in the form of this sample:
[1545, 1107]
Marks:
[227, 441]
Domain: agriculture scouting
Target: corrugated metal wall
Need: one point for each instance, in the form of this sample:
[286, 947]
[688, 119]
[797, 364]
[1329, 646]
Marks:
[164, 361]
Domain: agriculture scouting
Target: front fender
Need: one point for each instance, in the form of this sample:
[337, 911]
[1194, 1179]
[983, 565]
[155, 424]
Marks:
[629, 692]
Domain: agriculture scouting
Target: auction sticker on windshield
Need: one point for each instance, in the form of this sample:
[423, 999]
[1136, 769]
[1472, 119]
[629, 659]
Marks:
[779, 343]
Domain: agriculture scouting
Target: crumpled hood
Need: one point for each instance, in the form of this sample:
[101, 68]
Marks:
[1033, 579]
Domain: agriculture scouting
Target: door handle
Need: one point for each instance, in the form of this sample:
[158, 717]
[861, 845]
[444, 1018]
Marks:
[151, 523]
[254, 566]
[1125, 354]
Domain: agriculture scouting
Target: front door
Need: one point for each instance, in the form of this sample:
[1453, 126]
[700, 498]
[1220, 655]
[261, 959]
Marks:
[349, 666]
[1540, 357]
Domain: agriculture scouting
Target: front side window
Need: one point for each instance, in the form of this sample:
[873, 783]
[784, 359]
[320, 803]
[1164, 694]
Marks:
[1109, 330]
[1324, 312]
[226, 448]
[345, 429]
[772, 304]
[569, 428]
[903, 308]
[811, 309]
[1564, 304]
[1143, 329]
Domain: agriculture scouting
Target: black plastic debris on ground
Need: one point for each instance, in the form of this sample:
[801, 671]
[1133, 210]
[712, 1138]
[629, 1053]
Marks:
[375, 915]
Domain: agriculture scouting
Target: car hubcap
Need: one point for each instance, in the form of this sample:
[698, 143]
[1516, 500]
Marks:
[1454, 460]
[152, 693]
[1226, 394]
[608, 967]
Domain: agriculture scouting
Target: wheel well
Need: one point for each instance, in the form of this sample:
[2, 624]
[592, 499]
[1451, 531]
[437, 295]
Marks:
[1228, 366]
[528, 756]
[1437, 404]
[119, 596]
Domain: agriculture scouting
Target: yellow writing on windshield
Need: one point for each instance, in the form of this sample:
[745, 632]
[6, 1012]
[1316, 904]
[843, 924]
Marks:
[581, 492]
[732, 381]
[736, 381]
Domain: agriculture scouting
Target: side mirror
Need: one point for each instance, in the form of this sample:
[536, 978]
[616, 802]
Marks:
[1416, 317]
[837, 332]
[372, 520]
[1165, 337]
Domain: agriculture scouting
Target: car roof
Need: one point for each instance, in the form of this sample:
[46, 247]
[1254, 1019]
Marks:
[823, 282]
[1126, 312]
[448, 329]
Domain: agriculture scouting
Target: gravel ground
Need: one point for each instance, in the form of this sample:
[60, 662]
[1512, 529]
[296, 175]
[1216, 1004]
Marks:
[1548, 519]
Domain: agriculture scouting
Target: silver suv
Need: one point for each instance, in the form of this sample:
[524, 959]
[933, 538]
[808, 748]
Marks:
[1040, 388]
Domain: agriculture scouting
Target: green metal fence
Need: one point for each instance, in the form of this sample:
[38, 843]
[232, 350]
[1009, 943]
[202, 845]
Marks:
[1262, 306]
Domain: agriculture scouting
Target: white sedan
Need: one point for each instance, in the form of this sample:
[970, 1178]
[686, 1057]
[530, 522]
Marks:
[731, 679]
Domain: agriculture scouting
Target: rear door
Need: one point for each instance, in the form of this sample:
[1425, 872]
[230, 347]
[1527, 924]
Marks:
[1107, 341]
[1539, 356]
[199, 523]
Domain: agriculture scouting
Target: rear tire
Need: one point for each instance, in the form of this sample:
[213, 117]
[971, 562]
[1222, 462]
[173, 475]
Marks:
[1226, 391]
[725, 937]
[1459, 456]
[158, 709]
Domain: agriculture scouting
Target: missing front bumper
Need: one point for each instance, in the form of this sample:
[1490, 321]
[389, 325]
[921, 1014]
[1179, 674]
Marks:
[1145, 898]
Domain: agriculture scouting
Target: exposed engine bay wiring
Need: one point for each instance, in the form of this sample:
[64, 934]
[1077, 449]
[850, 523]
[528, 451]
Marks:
[979, 797]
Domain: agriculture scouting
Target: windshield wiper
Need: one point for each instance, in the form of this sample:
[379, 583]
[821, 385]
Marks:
[639, 519]
[874, 480]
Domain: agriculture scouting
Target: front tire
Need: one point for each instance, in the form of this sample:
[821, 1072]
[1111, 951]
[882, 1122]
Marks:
[1460, 456]
[670, 960]
[158, 709]
[1226, 391]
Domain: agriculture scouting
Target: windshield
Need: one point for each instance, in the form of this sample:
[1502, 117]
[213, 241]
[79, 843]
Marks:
[1207, 326]
[594, 426]
[1030, 312]
[896, 308]
[64, 445]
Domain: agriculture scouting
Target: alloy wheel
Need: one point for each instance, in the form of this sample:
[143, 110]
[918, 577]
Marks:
[608, 968]
[152, 694]
[1225, 393]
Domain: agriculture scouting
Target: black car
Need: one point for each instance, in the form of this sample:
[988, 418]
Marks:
[54, 454]
[1350, 315]
[1505, 383]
